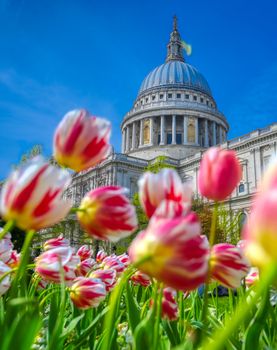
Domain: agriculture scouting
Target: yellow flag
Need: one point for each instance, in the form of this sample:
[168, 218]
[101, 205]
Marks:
[187, 48]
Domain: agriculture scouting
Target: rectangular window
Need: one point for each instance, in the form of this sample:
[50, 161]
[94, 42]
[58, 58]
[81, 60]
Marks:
[169, 95]
[153, 97]
[161, 96]
[168, 138]
[146, 100]
[187, 96]
[178, 95]
[202, 99]
[195, 98]
[159, 139]
[179, 139]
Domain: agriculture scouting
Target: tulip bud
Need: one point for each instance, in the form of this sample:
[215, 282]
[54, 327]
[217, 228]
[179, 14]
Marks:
[154, 188]
[108, 277]
[140, 278]
[32, 195]
[169, 304]
[81, 141]
[6, 247]
[5, 283]
[100, 256]
[219, 173]
[87, 292]
[84, 252]
[56, 242]
[172, 251]
[107, 214]
[112, 262]
[228, 265]
[85, 267]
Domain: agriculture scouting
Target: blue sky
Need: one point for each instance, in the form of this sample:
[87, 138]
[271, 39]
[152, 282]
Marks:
[59, 55]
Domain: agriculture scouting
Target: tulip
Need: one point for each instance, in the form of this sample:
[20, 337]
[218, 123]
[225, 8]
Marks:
[124, 258]
[84, 252]
[5, 283]
[87, 292]
[81, 141]
[100, 256]
[228, 265]
[171, 209]
[140, 278]
[50, 263]
[169, 304]
[56, 242]
[107, 214]
[85, 267]
[6, 247]
[108, 277]
[112, 262]
[252, 277]
[154, 188]
[219, 173]
[172, 251]
[14, 259]
[32, 195]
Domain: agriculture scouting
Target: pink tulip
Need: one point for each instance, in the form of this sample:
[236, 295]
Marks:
[6, 247]
[107, 214]
[100, 256]
[228, 265]
[108, 277]
[81, 141]
[169, 304]
[87, 292]
[140, 278]
[56, 242]
[50, 263]
[5, 283]
[252, 277]
[84, 252]
[32, 195]
[154, 188]
[172, 251]
[85, 267]
[219, 173]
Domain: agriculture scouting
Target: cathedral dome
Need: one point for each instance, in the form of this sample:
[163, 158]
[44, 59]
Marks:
[175, 73]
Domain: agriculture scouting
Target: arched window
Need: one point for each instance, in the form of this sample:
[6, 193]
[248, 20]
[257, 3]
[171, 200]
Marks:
[241, 188]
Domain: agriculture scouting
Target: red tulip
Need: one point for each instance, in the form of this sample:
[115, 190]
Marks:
[154, 188]
[87, 292]
[32, 195]
[169, 304]
[219, 173]
[140, 278]
[228, 265]
[172, 251]
[107, 214]
[81, 141]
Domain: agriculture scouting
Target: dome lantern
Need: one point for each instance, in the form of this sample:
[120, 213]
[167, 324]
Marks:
[175, 46]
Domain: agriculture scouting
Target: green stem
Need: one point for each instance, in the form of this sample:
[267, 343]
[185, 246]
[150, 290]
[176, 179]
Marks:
[221, 336]
[181, 312]
[75, 210]
[159, 295]
[8, 226]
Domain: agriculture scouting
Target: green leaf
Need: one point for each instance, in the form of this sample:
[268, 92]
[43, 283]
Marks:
[73, 323]
[133, 309]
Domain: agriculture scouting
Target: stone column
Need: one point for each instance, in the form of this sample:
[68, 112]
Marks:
[220, 134]
[206, 134]
[151, 131]
[141, 133]
[162, 131]
[186, 129]
[196, 131]
[214, 133]
[173, 142]
[123, 141]
[127, 138]
[134, 136]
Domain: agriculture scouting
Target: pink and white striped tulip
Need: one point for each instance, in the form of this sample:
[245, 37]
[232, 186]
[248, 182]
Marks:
[154, 188]
[14, 260]
[5, 283]
[106, 213]
[169, 304]
[172, 251]
[100, 256]
[228, 265]
[81, 141]
[85, 267]
[252, 277]
[87, 292]
[219, 173]
[50, 263]
[6, 247]
[108, 277]
[112, 262]
[125, 259]
[171, 209]
[140, 278]
[32, 195]
[84, 252]
[56, 242]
